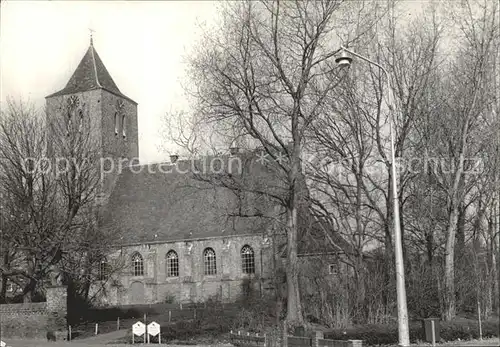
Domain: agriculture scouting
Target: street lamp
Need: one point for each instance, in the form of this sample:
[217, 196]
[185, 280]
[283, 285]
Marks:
[404, 337]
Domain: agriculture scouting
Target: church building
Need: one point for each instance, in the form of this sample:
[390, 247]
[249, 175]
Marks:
[180, 238]
[182, 233]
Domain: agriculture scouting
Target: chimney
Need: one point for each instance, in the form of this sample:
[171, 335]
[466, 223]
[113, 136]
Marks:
[234, 150]
[173, 158]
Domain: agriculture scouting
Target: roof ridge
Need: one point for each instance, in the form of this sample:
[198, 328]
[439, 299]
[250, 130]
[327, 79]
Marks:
[91, 74]
[95, 66]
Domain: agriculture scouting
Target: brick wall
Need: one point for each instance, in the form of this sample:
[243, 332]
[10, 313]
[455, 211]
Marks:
[34, 320]
[24, 320]
[191, 285]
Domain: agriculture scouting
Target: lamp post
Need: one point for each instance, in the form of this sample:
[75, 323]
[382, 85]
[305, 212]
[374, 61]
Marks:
[404, 338]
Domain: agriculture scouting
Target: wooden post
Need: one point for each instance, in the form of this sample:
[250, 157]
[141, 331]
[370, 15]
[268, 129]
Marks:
[118, 323]
[169, 316]
[181, 305]
[96, 328]
[433, 331]
[133, 336]
[479, 319]
[69, 328]
[285, 334]
[265, 340]
[318, 335]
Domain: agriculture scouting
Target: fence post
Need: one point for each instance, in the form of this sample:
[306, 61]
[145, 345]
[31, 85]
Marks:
[318, 335]
[96, 328]
[433, 332]
[69, 337]
[118, 323]
[479, 319]
[169, 316]
[284, 342]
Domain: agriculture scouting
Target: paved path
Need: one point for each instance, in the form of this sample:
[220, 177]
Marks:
[99, 340]
[96, 343]
[102, 338]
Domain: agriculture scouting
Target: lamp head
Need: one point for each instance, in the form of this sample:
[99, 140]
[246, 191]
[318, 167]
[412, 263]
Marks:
[344, 59]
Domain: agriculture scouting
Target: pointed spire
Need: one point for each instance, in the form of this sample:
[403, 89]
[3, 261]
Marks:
[91, 40]
[90, 74]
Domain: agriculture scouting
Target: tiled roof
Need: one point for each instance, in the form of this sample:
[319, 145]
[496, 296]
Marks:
[147, 205]
[89, 75]
[315, 241]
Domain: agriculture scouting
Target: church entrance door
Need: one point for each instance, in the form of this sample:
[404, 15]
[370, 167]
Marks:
[137, 293]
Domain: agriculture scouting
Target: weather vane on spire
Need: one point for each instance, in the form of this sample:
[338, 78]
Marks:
[91, 33]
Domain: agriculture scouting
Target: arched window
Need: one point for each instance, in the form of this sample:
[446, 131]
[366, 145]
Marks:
[247, 260]
[210, 264]
[137, 265]
[80, 126]
[103, 270]
[68, 124]
[124, 133]
[116, 123]
[172, 264]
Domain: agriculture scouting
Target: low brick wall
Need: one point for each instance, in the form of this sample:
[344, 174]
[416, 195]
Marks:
[35, 320]
[340, 343]
[24, 320]
[252, 340]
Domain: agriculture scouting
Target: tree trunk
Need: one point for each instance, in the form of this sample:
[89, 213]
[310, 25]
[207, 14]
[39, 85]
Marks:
[3, 290]
[28, 291]
[461, 230]
[294, 307]
[461, 263]
[449, 300]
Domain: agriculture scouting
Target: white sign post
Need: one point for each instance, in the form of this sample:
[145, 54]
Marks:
[153, 330]
[139, 329]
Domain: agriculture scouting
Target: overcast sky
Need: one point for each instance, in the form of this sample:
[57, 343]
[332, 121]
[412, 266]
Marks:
[142, 45]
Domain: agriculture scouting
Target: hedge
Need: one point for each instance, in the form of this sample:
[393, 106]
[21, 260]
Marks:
[378, 334]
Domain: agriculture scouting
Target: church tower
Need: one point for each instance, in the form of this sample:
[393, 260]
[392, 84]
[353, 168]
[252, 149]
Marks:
[92, 97]
[94, 94]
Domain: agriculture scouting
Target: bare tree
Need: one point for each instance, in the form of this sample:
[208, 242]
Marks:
[263, 78]
[49, 177]
[463, 100]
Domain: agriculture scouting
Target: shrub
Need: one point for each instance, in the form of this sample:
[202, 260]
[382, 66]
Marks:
[255, 314]
[377, 334]
[467, 329]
